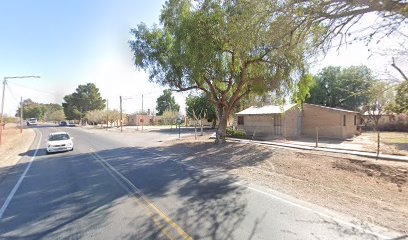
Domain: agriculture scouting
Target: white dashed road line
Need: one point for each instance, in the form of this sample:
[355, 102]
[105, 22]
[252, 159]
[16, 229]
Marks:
[20, 180]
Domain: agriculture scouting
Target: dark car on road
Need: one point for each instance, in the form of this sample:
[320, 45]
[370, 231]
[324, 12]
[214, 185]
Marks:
[66, 124]
[63, 124]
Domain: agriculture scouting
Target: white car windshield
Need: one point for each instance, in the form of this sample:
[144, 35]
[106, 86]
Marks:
[58, 137]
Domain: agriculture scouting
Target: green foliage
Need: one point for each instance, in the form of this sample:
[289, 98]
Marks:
[167, 114]
[347, 88]
[401, 100]
[56, 115]
[303, 88]
[236, 133]
[9, 120]
[226, 49]
[199, 107]
[85, 98]
[166, 102]
[41, 111]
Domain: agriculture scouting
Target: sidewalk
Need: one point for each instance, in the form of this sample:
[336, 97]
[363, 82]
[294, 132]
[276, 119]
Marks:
[323, 149]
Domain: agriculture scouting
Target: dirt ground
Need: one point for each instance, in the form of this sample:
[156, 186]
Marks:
[395, 143]
[390, 142]
[368, 189]
[13, 144]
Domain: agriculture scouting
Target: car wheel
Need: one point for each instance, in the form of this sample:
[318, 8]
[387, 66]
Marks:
[72, 149]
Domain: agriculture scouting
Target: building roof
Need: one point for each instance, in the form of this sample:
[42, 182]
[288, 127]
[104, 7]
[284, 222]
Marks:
[274, 109]
[330, 108]
[267, 109]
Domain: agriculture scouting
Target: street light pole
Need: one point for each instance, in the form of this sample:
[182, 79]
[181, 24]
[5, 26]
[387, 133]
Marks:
[2, 125]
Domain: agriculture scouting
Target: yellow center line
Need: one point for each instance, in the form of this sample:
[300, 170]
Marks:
[141, 199]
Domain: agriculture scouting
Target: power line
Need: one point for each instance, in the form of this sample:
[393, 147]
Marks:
[12, 94]
[30, 88]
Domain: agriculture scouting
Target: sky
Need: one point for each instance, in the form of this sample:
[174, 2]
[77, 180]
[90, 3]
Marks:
[72, 42]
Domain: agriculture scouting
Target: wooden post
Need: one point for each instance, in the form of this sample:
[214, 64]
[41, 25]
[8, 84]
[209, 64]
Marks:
[317, 136]
[1, 132]
[107, 114]
[121, 115]
[21, 115]
[142, 115]
[378, 143]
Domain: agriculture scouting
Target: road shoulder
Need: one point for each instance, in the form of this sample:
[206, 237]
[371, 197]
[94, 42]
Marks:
[13, 148]
[370, 190]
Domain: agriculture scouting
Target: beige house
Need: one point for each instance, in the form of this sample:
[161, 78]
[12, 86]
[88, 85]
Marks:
[137, 119]
[290, 121]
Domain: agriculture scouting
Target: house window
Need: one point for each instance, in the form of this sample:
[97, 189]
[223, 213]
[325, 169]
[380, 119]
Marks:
[240, 120]
[355, 120]
[344, 120]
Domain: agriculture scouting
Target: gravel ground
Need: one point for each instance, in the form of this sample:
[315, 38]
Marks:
[370, 190]
[12, 146]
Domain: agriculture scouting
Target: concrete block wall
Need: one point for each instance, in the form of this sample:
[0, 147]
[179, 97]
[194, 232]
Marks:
[328, 121]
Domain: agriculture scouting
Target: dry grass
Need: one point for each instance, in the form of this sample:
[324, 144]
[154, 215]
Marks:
[13, 144]
[371, 190]
[390, 142]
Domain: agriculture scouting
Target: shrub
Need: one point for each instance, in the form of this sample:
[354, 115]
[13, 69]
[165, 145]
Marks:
[236, 133]
[10, 119]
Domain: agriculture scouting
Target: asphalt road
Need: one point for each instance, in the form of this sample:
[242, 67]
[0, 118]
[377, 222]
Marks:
[118, 186]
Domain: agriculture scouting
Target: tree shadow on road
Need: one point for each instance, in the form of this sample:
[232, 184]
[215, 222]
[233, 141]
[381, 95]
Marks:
[71, 195]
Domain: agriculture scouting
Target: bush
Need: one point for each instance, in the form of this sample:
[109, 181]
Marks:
[9, 119]
[236, 133]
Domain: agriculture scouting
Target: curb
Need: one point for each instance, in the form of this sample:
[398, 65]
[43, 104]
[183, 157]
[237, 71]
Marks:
[320, 149]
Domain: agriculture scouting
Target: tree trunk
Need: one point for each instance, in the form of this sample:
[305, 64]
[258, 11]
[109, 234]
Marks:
[195, 129]
[214, 123]
[222, 115]
[202, 133]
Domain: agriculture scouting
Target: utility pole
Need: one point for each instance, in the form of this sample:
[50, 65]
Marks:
[142, 114]
[2, 103]
[107, 114]
[21, 115]
[2, 124]
[121, 115]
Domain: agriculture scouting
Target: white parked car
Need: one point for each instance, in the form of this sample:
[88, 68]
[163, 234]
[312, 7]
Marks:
[59, 142]
[31, 121]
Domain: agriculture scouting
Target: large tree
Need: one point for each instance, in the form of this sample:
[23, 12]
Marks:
[85, 98]
[347, 88]
[166, 102]
[227, 49]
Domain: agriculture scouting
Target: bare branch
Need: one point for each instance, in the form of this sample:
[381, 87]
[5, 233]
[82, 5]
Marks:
[399, 70]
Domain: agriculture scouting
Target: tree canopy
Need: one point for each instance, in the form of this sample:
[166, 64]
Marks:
[226, 49]
[85, 98]
[401, 100]
[166, 102]
[41, 111]
[348, 88]
[198, 107]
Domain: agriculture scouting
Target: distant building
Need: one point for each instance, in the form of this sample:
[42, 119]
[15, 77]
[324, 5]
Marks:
[290, 121]
[136, 120]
